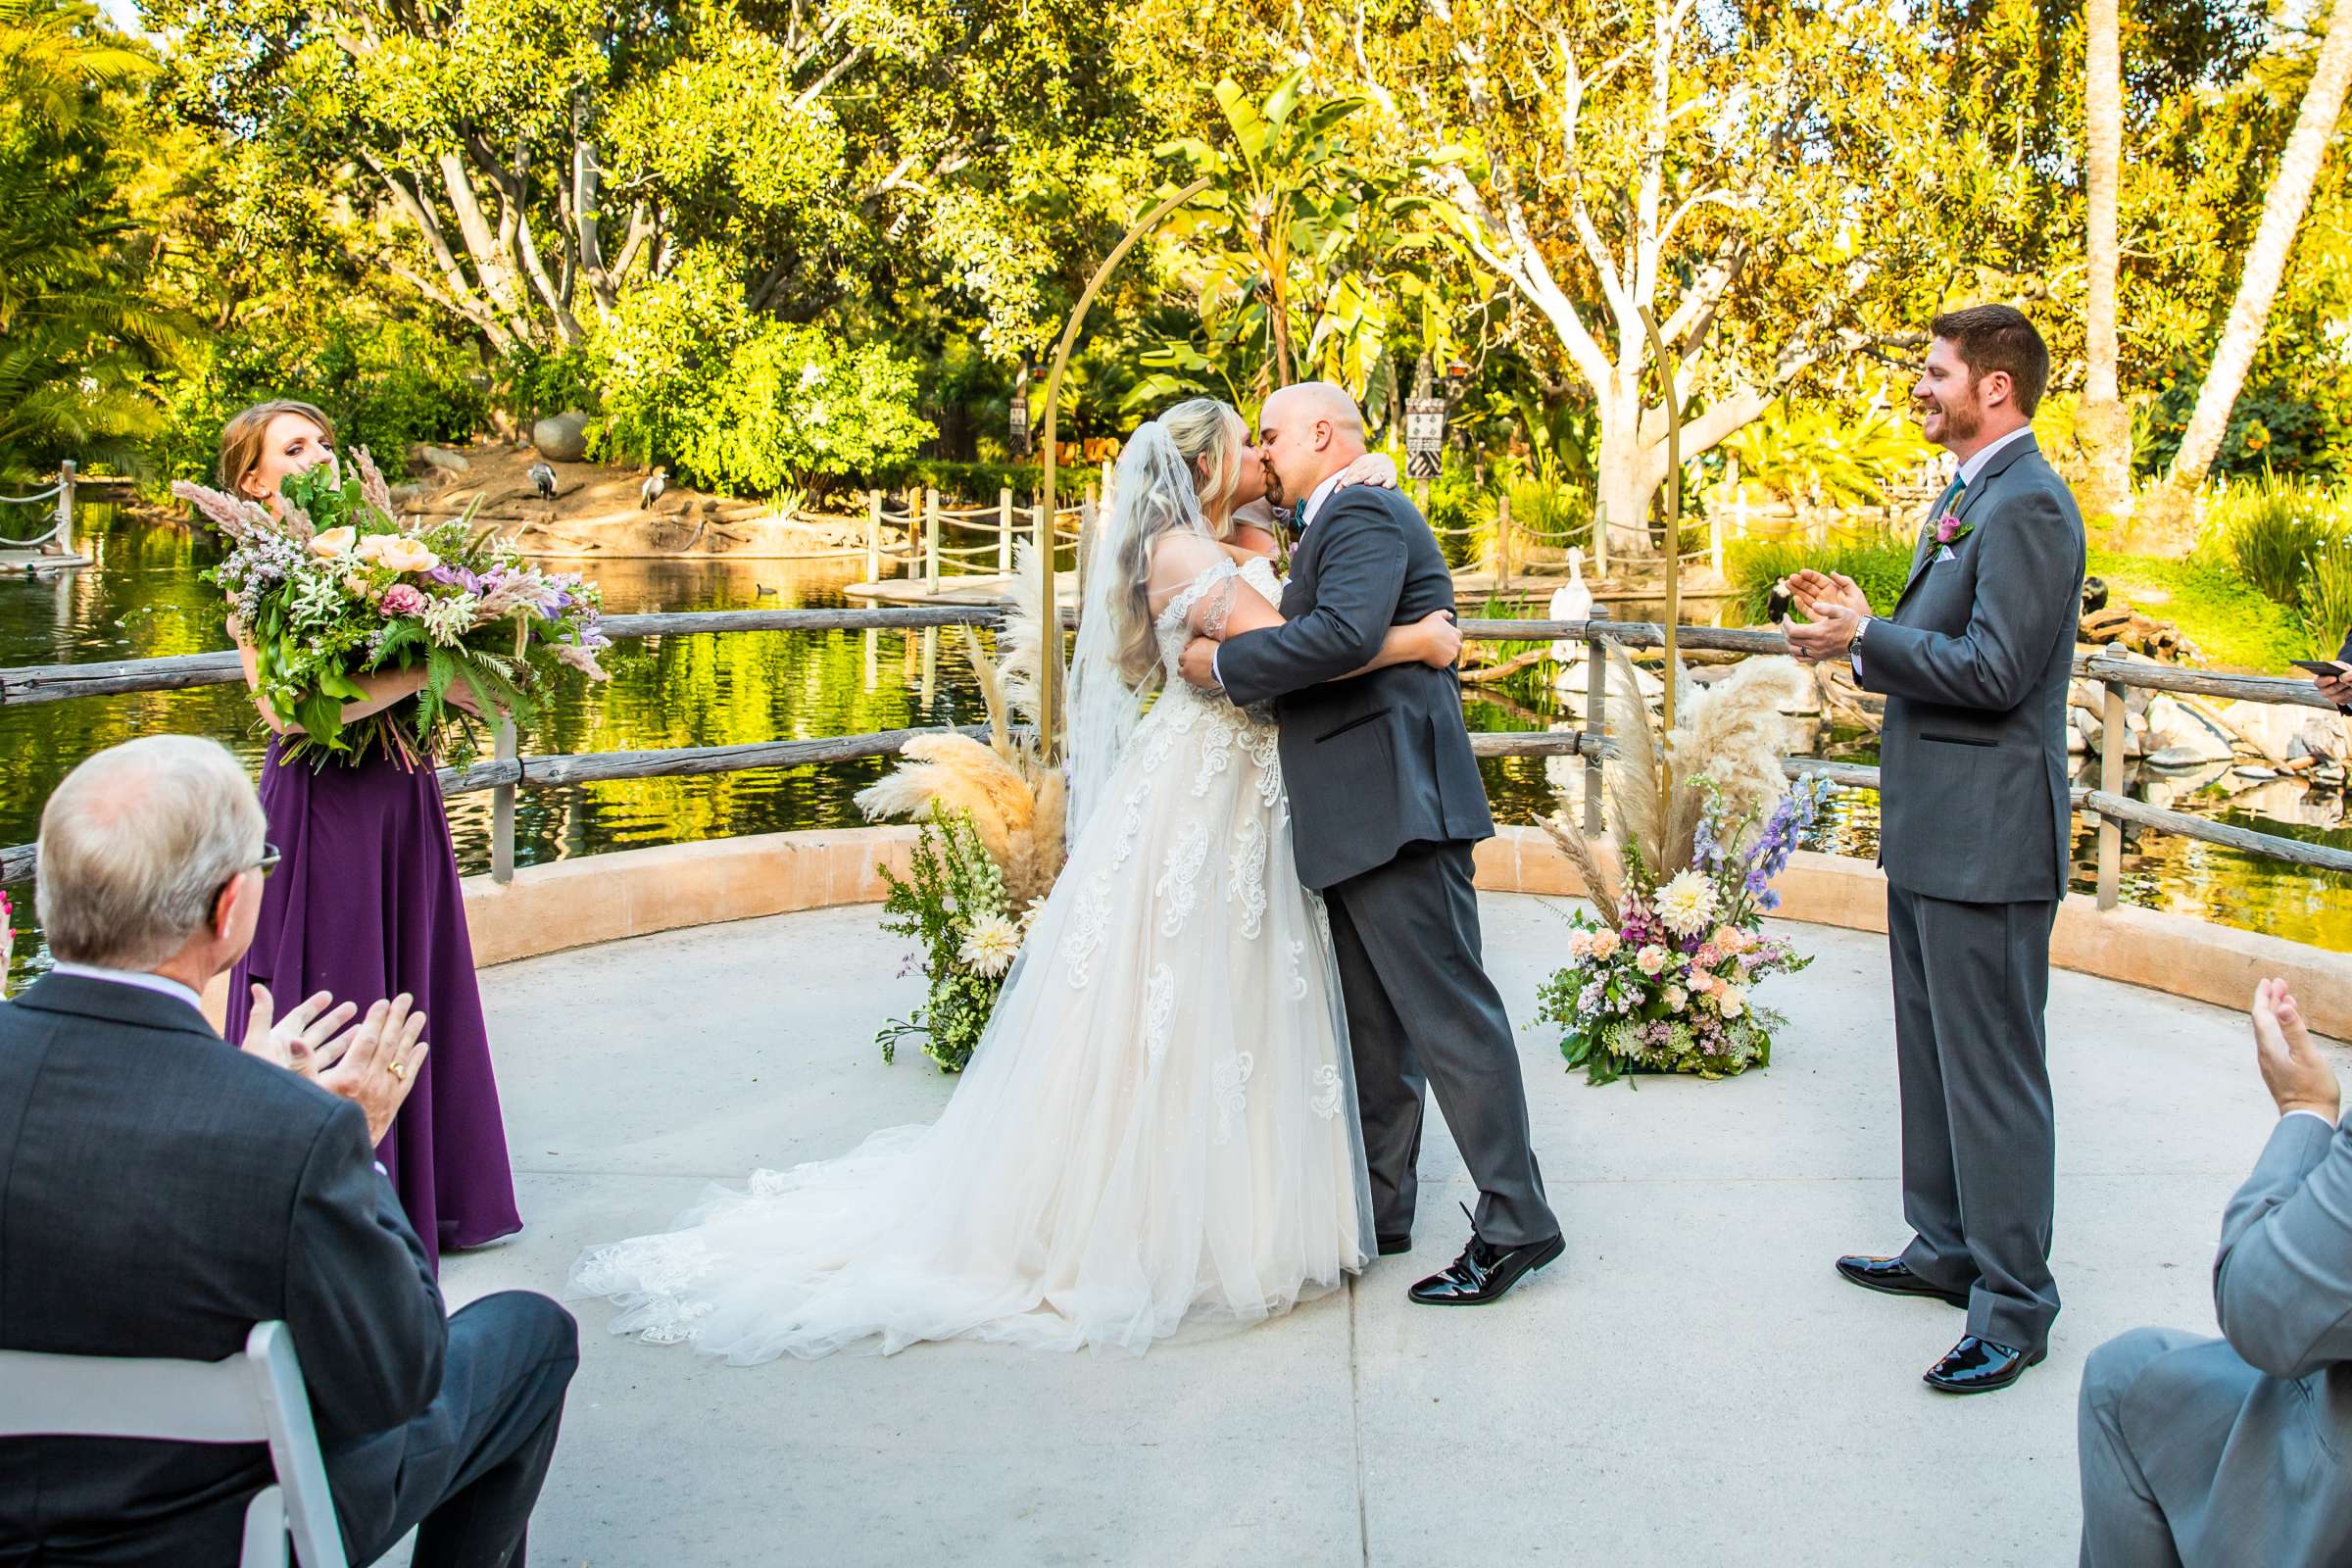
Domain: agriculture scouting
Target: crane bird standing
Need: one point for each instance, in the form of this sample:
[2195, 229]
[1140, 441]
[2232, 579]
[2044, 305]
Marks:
[651, 491]
[542, 479]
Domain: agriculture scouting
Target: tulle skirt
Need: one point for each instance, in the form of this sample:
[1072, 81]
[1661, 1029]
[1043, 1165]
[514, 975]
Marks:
[1158, 1124]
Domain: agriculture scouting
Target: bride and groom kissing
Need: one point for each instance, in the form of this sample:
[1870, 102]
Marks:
[1202, 1091]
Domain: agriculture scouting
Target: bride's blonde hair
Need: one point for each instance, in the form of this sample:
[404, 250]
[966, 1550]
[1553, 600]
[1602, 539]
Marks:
[1209, 436]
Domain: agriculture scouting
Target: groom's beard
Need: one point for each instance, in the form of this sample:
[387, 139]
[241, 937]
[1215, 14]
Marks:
[1274, 496]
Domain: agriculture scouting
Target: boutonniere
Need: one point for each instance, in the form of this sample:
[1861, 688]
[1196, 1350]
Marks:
[1950, 530]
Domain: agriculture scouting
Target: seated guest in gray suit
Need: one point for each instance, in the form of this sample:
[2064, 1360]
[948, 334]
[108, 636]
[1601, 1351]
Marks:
[161, 1192]
[2197, 1450]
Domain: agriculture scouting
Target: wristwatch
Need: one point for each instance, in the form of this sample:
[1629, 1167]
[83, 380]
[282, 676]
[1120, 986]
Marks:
[1853, 649]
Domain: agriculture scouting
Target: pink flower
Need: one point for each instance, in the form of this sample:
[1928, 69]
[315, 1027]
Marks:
[1650, 959]
[1580, 945]
[1706, 957]
[403, 600]
[1605, 945]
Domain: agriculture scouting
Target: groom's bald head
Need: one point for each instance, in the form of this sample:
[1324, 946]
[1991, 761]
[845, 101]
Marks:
[1306, 433]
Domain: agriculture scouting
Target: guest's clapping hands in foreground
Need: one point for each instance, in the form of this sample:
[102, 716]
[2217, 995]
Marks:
[303, 1040]
[1833, 605]
[372, 1064]
[2298, 1076]
[378, 1063]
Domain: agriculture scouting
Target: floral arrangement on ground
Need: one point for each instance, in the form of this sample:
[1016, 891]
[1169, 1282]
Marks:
[989, 846]
[1661, 975]
[334, 586]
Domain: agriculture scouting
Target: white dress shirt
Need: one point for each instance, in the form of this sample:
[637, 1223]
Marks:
[1969, 471]
[161, 984]
[1306, 514]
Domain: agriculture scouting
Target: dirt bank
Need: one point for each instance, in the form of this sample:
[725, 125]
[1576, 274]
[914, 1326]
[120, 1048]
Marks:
[597, 511]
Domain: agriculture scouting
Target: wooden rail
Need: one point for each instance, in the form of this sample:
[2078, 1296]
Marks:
[507, 772]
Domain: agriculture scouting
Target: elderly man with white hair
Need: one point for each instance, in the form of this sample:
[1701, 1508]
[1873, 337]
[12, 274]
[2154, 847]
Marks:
[161, 1192]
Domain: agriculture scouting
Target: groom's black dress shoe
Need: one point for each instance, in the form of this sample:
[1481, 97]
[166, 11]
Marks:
[1980, 1366]
[1395, 1245]
[1894, 1277]
[1485, 1271]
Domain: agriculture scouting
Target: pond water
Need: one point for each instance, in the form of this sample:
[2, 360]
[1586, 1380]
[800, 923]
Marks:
[144, 599]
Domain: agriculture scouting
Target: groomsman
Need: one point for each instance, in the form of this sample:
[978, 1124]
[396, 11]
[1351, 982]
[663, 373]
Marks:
[1974, 826]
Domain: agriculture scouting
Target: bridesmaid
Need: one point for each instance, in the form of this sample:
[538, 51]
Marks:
[366, 904]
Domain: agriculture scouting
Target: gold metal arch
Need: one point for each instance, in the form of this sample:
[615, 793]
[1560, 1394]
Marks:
[1049, 674]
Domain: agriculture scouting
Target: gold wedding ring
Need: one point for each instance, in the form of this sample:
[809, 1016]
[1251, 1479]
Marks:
[398, 1070]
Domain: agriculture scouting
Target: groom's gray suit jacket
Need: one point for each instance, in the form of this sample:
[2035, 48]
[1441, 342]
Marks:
[1384, 759]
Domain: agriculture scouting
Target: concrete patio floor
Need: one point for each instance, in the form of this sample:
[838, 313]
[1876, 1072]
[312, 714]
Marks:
[1691, 1385]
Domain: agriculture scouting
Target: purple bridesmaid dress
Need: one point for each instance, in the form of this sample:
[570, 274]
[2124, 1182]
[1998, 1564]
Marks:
[366, 904]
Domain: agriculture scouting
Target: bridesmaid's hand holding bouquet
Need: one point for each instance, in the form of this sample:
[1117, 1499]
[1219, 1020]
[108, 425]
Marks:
[332, 585]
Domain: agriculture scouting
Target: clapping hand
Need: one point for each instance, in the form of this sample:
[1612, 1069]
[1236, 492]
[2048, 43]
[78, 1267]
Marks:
[2297, 1075]
[1835, 607]
[376, 1063]
[303, 1041]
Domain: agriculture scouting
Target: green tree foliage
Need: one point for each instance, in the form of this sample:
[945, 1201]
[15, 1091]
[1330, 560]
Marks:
[84, 351]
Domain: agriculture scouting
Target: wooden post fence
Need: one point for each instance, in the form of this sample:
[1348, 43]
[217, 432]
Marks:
[1596, 714]
[2112, 734]
[1502, 541]
[62, 543]
[874, 537]
[502, 808]
[931, 541]
[1004, 530]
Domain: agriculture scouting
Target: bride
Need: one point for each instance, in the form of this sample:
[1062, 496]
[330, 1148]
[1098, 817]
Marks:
[1160, 1121]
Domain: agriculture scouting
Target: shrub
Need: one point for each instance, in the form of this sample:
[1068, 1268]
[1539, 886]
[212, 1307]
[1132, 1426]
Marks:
[2269, 528]
[690, 375]
[532, 383]
[2327, 603]
[385, 383]
[797, 408]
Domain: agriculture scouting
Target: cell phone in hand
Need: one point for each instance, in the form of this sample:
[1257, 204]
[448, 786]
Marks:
[2334, 668]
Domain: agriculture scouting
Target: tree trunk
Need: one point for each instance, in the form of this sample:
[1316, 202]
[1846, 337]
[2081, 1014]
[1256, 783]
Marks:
[1622, 478]
[2106, 425]
[2283, 212]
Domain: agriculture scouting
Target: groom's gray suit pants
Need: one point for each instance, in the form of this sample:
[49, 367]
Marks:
[1421, 1013]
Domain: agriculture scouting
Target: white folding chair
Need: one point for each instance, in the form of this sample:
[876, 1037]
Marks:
[253, 1397]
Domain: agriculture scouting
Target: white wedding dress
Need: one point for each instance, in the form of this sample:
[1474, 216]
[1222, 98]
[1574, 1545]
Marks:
[1159, 1121]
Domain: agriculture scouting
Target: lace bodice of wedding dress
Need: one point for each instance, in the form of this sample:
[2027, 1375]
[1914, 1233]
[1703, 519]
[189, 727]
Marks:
[1157, 1123]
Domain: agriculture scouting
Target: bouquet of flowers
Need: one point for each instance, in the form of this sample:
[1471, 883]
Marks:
[340, 587]
[955, 905]
[1701, 822]
[1663, 981]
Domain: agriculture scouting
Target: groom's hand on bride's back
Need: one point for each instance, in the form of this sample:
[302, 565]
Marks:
[1200, 663]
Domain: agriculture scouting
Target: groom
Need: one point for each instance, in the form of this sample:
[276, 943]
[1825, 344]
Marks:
[1389, 802]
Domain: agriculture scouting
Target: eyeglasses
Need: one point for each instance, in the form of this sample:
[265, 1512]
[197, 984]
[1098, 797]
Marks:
[266, 864]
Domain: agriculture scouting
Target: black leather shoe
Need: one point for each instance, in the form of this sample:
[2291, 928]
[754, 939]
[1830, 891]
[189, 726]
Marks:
[1395, 1245]
[1894, 1277]
[1980, 1366]
[1485, 1272]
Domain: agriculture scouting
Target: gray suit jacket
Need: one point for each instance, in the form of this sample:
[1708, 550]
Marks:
[1383, 761]
[1974, 805]
[161, 1192]
[2248, 1436]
